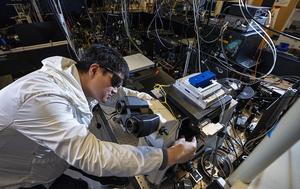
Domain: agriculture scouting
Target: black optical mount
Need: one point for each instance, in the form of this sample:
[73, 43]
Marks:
[136, 116]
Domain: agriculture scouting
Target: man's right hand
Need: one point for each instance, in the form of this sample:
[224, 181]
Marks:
[181, 151]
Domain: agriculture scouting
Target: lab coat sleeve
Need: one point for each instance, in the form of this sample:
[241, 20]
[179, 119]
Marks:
[130, 92]
[48, 120]
[123, 91]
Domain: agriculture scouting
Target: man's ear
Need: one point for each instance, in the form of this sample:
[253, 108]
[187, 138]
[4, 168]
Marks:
[94, 68]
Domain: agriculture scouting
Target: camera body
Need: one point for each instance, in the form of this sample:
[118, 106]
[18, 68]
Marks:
[136, 116]
[152, 122]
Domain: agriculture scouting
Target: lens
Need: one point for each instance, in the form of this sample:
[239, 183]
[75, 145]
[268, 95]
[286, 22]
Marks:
[116, 80]
[121, 107]
[131, 125]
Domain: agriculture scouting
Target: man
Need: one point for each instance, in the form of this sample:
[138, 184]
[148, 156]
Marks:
[44, 118]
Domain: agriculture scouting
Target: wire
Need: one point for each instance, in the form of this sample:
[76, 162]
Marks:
[268, 28]
[233, 147]
[160, 88]
[209, 12]
[196, 29]
[224, 27]
[221, 158]
[270, 42]
[112, 116]
[108, 114]
[226, 66]
[58, 12]
[126, 26]
[213, 155]
[156, 30]
[251, 142]
[157, 15]
[223, 107]
[222, 44]
[240, 142]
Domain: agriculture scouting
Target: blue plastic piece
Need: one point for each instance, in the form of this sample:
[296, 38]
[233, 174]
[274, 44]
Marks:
[284, 47]
[202, 80]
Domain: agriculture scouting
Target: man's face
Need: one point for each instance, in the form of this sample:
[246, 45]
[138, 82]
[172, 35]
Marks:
[101, 83]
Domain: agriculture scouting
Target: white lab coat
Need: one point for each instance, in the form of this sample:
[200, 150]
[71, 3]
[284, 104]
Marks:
[43, 129]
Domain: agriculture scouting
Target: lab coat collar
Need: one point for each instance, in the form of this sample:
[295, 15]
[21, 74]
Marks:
[64, 71]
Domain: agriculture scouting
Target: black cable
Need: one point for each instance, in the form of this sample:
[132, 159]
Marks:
[214, 154]
[112, 116]
[224, 63]
[283, 97]
[230, 68]
[273, 30]
[229, 148]
[108, 114]
[210, 10]
[240, 142]
[234, 149]
[216, 24]
[254, 141]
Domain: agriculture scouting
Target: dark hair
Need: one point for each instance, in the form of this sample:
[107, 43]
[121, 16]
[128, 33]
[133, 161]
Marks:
[106, 57]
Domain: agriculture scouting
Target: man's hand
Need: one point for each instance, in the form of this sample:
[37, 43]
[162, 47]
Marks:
[181, 151]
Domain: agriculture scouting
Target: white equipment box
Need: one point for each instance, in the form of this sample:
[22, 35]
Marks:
[138, 62]
[203, 97]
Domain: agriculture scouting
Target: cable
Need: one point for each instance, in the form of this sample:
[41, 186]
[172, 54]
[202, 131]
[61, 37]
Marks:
[112, 116]
[270, 42]
[209, 12]
[154, 19]
[108, 114]
[222, 161]
[196, 29]
[163, 92]
[222, 44]
[241, 146]
[125, 21]
[224, 27]
[268, 28]
[223, 107]
[156, 30]
[233, 147]
[214, 155]
[224, 64]
[251, 142]
[240, 142]
[57, 10]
